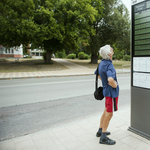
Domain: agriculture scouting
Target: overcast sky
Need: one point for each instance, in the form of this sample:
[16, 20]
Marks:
[128, 4]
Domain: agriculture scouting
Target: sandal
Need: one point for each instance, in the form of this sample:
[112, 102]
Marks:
[107, 141]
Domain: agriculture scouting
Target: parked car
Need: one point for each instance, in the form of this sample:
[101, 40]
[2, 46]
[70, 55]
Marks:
[25, 56]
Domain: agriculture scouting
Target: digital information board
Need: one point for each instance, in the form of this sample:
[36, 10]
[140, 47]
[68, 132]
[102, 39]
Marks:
[141, 44]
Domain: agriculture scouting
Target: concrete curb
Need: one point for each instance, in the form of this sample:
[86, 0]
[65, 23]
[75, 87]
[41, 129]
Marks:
[50, 76]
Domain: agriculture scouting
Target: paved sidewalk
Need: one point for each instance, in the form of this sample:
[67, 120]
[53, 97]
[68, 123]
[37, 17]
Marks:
[80, 135]
[73, 69]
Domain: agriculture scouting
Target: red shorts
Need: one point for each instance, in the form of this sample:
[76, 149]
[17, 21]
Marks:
[111, 104]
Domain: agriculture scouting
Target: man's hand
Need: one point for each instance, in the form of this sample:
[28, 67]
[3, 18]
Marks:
[112, 82]
[99, 77]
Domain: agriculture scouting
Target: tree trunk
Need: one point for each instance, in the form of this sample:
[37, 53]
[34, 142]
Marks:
[48, 58]
[94, 58]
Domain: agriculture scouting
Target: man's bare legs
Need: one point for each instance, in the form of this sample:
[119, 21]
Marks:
[104, 121]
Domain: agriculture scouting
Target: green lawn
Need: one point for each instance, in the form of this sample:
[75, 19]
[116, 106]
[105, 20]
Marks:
[28, 65]
[86, 63]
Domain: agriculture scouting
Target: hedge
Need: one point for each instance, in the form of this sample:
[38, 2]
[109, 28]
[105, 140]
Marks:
[127, 57]
[71, 56]
[82, 55]
[61, 54]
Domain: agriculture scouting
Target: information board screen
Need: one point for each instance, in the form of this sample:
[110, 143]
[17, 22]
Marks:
[141, 44]
[141, 29]
[141, 72]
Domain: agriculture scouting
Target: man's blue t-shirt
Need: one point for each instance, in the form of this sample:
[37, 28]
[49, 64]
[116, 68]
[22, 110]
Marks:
[106, 70]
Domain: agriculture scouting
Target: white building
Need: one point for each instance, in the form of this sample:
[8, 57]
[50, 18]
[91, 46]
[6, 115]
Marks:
[37, 53]
[13, 52]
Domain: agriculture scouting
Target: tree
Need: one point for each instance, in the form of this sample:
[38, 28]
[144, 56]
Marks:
[16, 22]
[52, 24]
[72, 19]
[123, 38]
[93, 38]
[112, 27]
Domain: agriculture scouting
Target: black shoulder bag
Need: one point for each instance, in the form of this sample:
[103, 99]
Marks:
[98, 94]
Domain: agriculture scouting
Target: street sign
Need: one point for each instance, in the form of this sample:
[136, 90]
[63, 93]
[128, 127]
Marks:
[141, 44]
[140, 68]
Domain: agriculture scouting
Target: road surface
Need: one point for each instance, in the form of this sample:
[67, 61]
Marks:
[31, 105]
[26, 91]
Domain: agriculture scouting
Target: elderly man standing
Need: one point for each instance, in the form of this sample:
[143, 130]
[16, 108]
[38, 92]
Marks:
[107, 74]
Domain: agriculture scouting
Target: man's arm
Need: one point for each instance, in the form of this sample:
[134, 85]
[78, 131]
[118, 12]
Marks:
[112, 82]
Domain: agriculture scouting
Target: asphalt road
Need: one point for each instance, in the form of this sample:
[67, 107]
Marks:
[58, 100]
[26, 91]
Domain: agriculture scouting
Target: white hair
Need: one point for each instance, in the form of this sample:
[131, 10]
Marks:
[105, 51]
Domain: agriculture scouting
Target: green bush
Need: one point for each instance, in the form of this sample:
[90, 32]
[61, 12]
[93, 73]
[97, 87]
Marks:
[114, 57]
[119, 56]
[71, 56]
[61, 54]
[86, 56]
[82, 55]
[127, 57]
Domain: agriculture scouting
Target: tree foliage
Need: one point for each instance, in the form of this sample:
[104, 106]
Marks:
[121, 26]
[51, 24]
[112, 27]
[16, 22]
[55, 25]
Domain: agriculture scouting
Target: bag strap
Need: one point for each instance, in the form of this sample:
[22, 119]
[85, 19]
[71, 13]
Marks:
[96, 80]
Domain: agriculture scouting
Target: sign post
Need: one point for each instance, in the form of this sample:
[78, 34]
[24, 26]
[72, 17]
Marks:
[140, 68]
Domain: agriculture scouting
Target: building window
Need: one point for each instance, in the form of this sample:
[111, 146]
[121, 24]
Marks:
[37, 54]
[1, 50]
[12, 51]
[41, 54]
